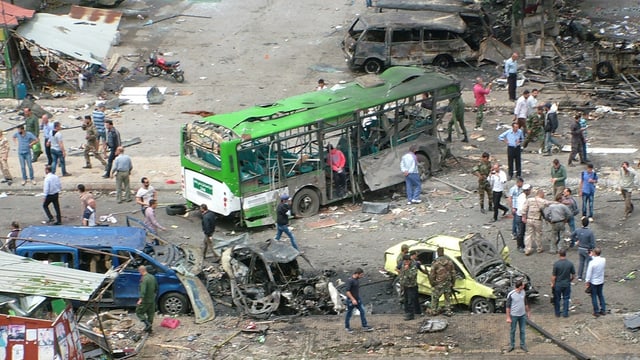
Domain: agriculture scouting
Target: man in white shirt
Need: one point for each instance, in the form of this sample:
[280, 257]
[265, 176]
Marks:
[409, 168]
[595, 281]
[521, 110]
[51, 189]
[522, 227]
[532, 102]
[497, 179]
[145, 194]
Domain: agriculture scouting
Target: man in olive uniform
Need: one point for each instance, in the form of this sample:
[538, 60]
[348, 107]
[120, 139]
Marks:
[146, 308]
[408, 279]
[442, 278]
[32, 125]
[457, 115]
[482, 171]
[92, 142]
[535, 128]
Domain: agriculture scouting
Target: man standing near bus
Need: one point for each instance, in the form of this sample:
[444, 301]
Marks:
[457, 115]
[208, 228]
[282, 221]
[336, 162]
[409, 167]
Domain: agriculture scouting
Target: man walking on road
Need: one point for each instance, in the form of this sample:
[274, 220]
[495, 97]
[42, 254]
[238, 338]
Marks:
[586, 241]
[146, 305]
[482, 171]
[627, 182]
[457, 115]
[497, 179]
[32, 125]
[145, 193]
[595, 280]
[51, 189]
[521, 110]
[513, 138]
[47, 129]
[150, 219]
[517, 313]
[550, 127]
[208, 228]
[283, 212]
[442, 279]
[577, 141]
[58, 151]
[352, 289]
[409, 167]
[479, 93]
[92, 146]
[561, 278]
[113, 142]
[558, 177]
[122, 170]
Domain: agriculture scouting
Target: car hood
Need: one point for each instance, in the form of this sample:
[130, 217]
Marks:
[184, 259]
[479, 254]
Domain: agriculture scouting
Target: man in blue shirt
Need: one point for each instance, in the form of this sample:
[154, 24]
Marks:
[51, 189]
[513, 138]
[587, 187]
[511, 71]
[25, 140]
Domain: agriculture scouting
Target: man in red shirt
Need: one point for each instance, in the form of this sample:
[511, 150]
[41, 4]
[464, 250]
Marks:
[480, 92]
[337, 161]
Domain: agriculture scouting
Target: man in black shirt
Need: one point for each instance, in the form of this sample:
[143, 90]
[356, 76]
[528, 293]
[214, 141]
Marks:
[561, 278]
[208, 228]
[354, 301]
[282, 222]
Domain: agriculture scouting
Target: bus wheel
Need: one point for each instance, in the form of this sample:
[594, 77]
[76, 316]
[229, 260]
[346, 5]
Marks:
[373, 66]
[443, 61]
[424, 166]
[306, 203]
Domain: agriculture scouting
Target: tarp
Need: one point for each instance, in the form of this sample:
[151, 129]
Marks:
[85, 33]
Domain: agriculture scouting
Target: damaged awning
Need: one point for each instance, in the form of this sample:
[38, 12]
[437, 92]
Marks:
[19, 275]
[85, 33]
[12, 14]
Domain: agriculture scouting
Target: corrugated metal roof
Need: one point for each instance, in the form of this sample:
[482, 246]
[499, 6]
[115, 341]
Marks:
[19, 275]
[85, 34]
[12, 14]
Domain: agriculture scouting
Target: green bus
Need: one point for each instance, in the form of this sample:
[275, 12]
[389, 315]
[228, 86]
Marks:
[240, 163]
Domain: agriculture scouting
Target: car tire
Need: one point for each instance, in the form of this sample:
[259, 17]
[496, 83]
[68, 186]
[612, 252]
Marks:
[604, 70]
[480, 305]
[173, 304]
[176, 209]
[373, 66]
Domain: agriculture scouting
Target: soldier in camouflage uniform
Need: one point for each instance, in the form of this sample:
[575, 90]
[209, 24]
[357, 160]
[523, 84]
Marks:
[442, 278]
[482, 172]
[408, 279]
[92, 142]
[535, 128]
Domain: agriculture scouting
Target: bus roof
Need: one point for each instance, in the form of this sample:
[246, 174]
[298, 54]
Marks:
[403, 19]
[394, 84]
[84, 236]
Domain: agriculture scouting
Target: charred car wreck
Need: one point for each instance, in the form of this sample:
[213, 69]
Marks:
[267, 279]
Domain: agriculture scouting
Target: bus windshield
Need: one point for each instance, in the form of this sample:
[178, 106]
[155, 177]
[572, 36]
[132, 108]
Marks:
[318, 147]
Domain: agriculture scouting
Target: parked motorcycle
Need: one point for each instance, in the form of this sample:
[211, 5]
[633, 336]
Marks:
[159, 66]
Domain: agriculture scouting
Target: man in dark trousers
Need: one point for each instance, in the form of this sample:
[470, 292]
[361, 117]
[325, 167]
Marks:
[586, 241]
[408, 279]
[282, 222]
[208, 228]
[113, 142]
[354, 301]
[51, 190]
[146, 305]
[561, 278]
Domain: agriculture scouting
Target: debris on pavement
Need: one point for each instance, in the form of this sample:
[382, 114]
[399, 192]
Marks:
[432, 325]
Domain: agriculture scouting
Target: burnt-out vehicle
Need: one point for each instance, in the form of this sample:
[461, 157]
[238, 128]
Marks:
[484, 272]
[266, 279]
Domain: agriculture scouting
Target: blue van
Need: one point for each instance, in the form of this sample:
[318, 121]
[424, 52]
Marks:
[98, 249]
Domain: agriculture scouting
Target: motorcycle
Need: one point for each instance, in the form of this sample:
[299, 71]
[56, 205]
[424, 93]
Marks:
[159, 66]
